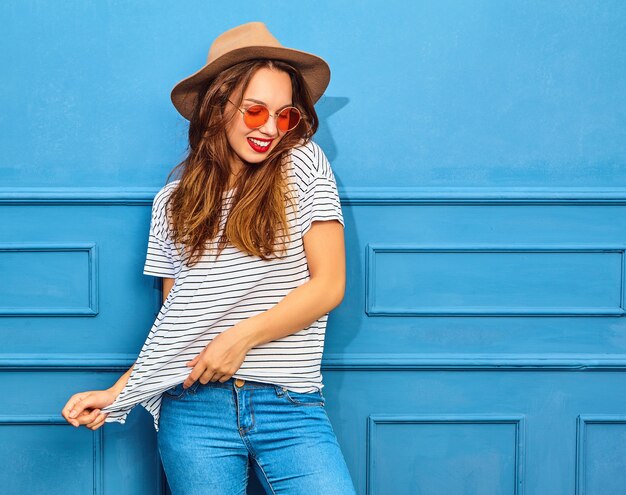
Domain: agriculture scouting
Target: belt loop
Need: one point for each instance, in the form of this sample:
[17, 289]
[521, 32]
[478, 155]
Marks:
[279, 390]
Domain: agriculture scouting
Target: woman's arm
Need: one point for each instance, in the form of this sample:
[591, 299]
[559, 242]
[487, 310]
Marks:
[325, 253]
[168, 283]
[121, 383]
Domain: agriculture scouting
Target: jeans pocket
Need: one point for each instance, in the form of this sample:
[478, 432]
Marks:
[314, 398]
[176, 392]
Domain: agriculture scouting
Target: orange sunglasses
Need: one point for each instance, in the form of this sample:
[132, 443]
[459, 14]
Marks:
[256, 115]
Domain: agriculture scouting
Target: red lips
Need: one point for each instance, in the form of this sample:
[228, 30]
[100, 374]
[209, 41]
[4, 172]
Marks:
[258, 148]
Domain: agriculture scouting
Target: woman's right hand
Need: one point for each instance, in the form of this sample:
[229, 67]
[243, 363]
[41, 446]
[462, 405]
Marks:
[83, 408]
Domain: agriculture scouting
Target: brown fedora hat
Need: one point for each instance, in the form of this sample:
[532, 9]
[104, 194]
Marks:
[249, 41]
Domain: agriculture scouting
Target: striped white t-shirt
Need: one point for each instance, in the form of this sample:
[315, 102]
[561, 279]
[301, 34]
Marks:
[215, 294]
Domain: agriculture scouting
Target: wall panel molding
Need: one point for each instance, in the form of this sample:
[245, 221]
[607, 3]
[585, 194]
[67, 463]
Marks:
[350, 362]
[371, 196]
[517, 421]
[612, 303]
[97, 450]
[349, 195]
[90, 284]
[582, 424]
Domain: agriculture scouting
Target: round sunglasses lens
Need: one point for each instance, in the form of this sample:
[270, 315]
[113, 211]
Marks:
[256, 116]
[288, 119]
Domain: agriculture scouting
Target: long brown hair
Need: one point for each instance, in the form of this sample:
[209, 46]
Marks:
[257, 217]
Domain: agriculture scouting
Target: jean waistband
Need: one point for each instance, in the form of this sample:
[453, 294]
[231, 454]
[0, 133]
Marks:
[239, 383]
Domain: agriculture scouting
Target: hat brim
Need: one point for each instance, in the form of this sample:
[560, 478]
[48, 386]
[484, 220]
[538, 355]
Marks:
[315, 71]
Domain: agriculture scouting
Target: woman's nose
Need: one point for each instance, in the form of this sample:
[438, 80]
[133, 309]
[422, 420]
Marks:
[270, 127]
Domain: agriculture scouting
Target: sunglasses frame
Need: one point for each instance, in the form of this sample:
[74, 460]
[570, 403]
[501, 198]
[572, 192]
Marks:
[243, 114]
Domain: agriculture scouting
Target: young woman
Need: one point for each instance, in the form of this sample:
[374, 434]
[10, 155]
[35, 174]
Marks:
[249, 243]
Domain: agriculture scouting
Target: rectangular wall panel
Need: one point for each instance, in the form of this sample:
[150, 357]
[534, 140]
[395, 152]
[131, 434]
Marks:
[49, 279]
[494, 280]
[472, 455]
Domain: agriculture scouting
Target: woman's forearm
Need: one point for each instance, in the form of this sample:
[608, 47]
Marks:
[297, 310]
[121, 383]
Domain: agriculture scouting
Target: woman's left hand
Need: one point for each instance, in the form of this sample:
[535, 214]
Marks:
[222, 357]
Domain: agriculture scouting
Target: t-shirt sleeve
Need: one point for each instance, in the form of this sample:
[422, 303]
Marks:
[161, 256]
[320, 200]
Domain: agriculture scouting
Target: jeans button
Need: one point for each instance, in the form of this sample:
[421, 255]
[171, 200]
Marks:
[239, 382]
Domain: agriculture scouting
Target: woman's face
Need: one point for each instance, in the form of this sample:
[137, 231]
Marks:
[272, 88]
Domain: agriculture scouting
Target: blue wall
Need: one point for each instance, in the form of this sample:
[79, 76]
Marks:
[480, 152]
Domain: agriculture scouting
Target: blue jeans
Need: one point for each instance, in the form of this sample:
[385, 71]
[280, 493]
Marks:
[208, 433]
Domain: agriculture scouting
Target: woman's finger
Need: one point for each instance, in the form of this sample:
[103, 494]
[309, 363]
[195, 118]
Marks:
[193, 361]
[87, 417]
[65, 412]
[99, 419]
[80, 406]
[93, 416]
[95, 420]
[94, 426]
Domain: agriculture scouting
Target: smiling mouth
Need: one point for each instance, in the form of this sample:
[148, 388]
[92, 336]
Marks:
[256, 146]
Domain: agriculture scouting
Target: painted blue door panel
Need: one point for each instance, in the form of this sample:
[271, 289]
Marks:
[410, 286]
[481, 432]
[73, 275]
[42, 453]
[492, 430]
